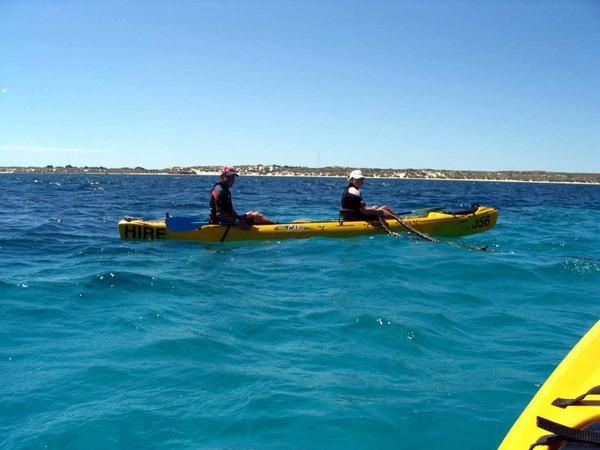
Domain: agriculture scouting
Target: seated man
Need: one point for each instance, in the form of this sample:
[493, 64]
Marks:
[353, 205]
[221, 207]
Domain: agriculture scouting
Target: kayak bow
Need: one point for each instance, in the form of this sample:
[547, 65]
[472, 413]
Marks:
[565, 412]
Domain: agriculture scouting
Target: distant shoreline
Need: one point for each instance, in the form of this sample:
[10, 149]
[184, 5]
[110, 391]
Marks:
[260, 170]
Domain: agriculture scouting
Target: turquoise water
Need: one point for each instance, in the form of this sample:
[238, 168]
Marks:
[369, 342]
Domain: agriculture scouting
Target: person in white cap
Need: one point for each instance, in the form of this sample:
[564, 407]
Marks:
[221, 206]
[354, 207]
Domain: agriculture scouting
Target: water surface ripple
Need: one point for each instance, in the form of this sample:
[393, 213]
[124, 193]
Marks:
[369, 342]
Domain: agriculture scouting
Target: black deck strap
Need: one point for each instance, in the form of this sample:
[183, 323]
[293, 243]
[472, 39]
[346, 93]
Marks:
[551, 440]
[567, 433]
[564, 402]
[225, 233]
[548, 440]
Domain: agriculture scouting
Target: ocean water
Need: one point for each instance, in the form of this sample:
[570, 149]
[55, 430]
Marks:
[368, 342]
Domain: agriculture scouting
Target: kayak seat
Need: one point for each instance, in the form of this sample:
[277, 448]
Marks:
[343, 213]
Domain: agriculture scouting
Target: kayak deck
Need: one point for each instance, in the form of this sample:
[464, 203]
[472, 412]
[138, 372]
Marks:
[434, 223]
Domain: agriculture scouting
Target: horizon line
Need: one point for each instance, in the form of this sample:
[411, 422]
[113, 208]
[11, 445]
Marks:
[287, 166]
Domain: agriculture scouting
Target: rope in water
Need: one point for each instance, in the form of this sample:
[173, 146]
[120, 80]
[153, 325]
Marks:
[423, 236]
[406, 226]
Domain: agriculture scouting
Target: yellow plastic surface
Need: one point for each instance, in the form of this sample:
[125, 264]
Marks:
[575, 375]
[434, 223]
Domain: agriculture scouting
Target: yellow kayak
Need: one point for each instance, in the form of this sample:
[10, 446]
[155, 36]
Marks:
[565, 412]
[435, 223]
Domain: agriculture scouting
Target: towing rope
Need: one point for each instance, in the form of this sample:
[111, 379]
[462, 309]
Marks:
[424, 236]
[406, 226]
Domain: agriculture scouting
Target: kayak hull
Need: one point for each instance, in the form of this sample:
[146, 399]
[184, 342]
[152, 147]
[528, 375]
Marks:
[575, 375]
[439, 224]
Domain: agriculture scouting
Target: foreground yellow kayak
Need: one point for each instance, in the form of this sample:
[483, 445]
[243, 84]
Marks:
[565, 413]
[435, 223]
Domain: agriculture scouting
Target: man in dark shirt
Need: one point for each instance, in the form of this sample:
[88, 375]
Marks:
[354, 207]
[221, 206]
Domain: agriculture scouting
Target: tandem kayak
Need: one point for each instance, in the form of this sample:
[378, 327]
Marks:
[565, 412]
[434, 222]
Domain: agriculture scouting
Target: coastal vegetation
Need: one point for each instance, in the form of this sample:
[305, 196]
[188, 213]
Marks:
[329, 171]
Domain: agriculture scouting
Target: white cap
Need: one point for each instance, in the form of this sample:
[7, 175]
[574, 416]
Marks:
[356, 175]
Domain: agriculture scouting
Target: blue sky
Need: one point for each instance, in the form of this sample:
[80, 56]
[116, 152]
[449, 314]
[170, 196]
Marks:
[424, 84]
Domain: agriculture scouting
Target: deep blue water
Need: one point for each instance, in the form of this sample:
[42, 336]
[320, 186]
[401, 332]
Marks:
[368, 342]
